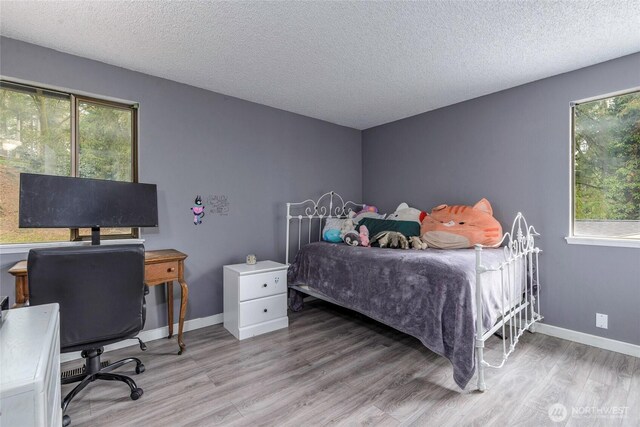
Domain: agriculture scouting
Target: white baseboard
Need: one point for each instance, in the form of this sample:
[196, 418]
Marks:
[588, 339]
[154, 334]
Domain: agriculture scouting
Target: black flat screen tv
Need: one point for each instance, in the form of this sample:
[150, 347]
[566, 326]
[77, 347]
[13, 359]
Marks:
[48, 201]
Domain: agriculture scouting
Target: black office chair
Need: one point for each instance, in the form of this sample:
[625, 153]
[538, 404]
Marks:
[101, 291]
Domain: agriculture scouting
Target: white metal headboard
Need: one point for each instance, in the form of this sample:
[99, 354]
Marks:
[329, 205]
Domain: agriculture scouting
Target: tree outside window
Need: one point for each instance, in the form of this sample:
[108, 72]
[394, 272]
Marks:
[54, 133]
[606, 174]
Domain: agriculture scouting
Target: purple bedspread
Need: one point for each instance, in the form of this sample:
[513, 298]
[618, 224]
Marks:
[428, 294]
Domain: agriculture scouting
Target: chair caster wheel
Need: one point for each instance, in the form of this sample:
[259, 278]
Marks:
[143, 346]
[139, 368]
[135, 394]
[66, 420]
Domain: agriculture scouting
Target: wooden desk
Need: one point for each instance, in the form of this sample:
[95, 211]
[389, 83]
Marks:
[161, 267]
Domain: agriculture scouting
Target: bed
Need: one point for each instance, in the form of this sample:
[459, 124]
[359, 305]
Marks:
[451, 300]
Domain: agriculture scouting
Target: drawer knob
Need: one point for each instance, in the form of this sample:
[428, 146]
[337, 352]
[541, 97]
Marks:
[264, 286]
[265, 310]
[171, 270]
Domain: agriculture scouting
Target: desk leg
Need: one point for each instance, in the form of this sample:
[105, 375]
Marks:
[184, 296]
[22, 290]
[170, 307]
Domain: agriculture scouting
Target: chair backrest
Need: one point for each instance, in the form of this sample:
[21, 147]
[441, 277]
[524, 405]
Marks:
[100, 290]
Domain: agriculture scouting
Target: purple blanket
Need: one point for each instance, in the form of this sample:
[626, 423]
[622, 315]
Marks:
[428, 294]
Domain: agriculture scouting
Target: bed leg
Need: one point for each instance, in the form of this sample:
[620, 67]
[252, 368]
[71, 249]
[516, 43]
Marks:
[480, 367]
[479, 326]
[533, 328]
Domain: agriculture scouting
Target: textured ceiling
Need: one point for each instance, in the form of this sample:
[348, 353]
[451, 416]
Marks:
[358, 64]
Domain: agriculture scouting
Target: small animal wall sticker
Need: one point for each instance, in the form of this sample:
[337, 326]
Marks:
[219, 204]
[198, 211]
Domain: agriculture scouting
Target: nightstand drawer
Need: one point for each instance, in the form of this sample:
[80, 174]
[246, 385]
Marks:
[262, 285]
[263, 310]
[161, 272]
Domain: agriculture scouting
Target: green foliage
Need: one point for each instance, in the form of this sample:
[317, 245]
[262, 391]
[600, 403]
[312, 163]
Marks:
[105, 142]
[607, 158]
[35, 137]
[40, 129]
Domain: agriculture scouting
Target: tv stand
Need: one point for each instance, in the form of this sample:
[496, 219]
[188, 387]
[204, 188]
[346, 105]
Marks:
[95, 236]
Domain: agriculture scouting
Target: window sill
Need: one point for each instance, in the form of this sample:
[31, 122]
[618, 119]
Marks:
[603, 241]
[24, 248]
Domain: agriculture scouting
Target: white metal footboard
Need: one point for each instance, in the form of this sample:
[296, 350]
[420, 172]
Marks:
[519, 273]
[520, 310]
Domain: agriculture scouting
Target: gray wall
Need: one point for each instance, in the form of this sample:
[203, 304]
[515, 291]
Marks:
[193, 141]
[513, 148]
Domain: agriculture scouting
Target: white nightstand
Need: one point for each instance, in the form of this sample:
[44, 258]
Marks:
[255, 298]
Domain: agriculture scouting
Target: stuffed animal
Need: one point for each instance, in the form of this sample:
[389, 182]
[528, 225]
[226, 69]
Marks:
[352, 237]
[394, 239]
[405, 213]
[332, 235]
[455, 227]
[364, 236]
[347, 226]
[368, 208]
[417, 243]
[332, 230]
[391, 239]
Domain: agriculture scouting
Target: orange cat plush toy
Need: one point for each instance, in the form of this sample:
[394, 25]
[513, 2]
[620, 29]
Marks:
[455, 227]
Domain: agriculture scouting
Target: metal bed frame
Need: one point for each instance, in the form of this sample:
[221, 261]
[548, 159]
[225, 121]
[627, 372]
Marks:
[519, 270]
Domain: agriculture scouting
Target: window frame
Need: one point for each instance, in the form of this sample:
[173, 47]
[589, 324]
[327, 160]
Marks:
[75, 153]
[590, 240]
[76, 98]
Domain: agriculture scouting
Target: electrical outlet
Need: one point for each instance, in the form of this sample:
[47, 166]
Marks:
[602, 321]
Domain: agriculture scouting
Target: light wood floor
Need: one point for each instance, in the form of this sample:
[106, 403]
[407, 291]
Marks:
[333, 366]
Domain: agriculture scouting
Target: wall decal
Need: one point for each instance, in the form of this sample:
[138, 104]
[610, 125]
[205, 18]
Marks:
[219, 204]
[198, 211]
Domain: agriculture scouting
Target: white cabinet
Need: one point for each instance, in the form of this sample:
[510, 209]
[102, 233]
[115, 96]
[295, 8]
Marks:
[255, 298]
[30, 367]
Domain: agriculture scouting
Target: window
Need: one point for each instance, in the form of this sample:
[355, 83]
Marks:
[49, 132]
[606, 167]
